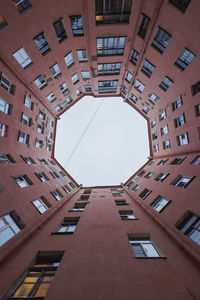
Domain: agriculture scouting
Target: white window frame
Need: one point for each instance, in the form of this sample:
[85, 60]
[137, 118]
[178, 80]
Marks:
[22, 58]
[40, 205]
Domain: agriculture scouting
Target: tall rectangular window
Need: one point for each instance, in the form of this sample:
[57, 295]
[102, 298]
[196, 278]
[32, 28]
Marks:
[5, 107]
[75, 78]
[2, 22]
[161, 40]
[162, 115]
[7, 84]
[110, 46]
[59, 28]
[22, 58]
[38, 143]
[51, 97]
[77, 25]
[182, 181]
[69, 59]
[134, 56]
[166, 144]
[41, 43]
[109, 68]
[179, 121]
[164, 130]
[28, 103]
[144, 24]
[184, 59]
[139, 86]
[159, 203]
[55, 70]
[26, 120]
[23, 137]
[128, 76]
[197, 109]
[182, 139]
[3, 130]
[82, 55]
[153, 98]
[63, 87]
[195, 88]
[108, 86]
[144, 193]
[189, 225]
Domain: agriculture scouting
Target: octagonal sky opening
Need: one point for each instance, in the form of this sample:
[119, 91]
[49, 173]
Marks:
[101, 141]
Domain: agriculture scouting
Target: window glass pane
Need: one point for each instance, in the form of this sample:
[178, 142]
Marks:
[5, 235]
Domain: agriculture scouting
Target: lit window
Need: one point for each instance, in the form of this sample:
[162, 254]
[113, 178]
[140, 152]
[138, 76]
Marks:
[2, 22]
[178, 160]
[7, 84]
[79, 206]
[5, 106]
[136, 187]
[58, 108]
[190, 226]
[51, 97]
[22, 5]
[55, 71]
[195, 88]
[85, 74]
[139, 86]
[6, 158]
[180, 4]
[57, 195]
[42, 176]
[22, 58]
[3, 130]
[161, 177]
[68, 225]
[134, 56]
[69, 59]
[144, 23]
[153, 98]
[164, 130]
[182, 139]
[166, 144]
[177, 103]
[60, 30]
[82, 55]
[22, 181]
[159, 203]
[144, 247]
[128, 76]
[127, 215]
[40, 82]
[133, 98]
[23, 137]
[42, 43]
[162, 115]
[41, 204]
[196, 161]
[107, 86]
[77, 25]
[111, 45]
[75, 78]
[28, 103]
[179, 121]
[10, 225]
[161, 40]
[166, 83]
[36, 280]
[182, 181]
[144, 193]
[184, 59]
[109, 68]
[38, 143]
[26, 120]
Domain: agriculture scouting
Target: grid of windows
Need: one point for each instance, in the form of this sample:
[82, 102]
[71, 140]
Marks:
[111, 45]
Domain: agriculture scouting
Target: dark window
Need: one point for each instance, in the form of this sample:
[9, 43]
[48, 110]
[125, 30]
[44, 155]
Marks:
[42, 176]
[130, 184]
[144, 23]
[110, 68]
[179, 121]
[180, 4]
[60, 30]
[84, 198]
[189, 224]
[136, 187]
[108, 86]
[57, 195]
[178, 160]
[141, 173]
[42, 43]
[77, 25]
[133, 98]
[147, 68]
[196, 88]
[166, 83]
[161, 177]
[79, 206]
[67, 226]
[196, 161]
[22, 5]
[161, 40]
[185, 59]
[88, 88]
[144, 193]
[111, 45]
[28, 160]
[87, 191]
[2, 22]
[197, 110]
[127, 215]
[72, 185]
[7, 84]
[177, 103]
[134, 56]
[109, 12]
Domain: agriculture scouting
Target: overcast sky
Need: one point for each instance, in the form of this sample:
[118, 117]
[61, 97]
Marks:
[113, 147]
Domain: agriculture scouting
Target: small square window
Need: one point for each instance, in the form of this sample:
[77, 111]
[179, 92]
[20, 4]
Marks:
[63, 87]
[185, 59]
[133, 98]
[162, 162]
[161, 40]
[166, 83]
[182, 139]
[154, 135]
[40, 128]
[7, 84]
[23, 137]
[51, 97]
[88, 88]
[57, 195]
[85, 74]
[121, 202]
[139, 86]
[79, 91]
[28, 160]
[166, 144]
[79, 207]
[42, 43]
[197, 110]
[147, 68]
[6, 158]
[59, 107]
[155, 148]
[177, 103]
[153, 98]
[195, 88]
[153, 123]
[42, 176]
[38, 143]
[82, 55]
[162, 115]
[128, 76]
[26, 120]
[40, 82]
[127, 215]
[179, 121]
[75, 78]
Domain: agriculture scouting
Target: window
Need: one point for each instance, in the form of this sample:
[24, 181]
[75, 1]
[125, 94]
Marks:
[72, 185]
[166, 83]
[22, 58]
[164, 130]
[26, 120]
[139, 86]
[42, 43]
[28, 160]
[22, 181]
[66, 189]
[153, 98]
[40, 128]
[161, 177]
[133, 98]
[179, 121]
[161, 40]
[123, 89]
[28, 103]
[77, 25]
[2, 22]
[134, 56]
[153, 123]
[127, 215]
[144, 23]
[43, 161]
[189, 225]
[40, 82]
[111, 45]
[178, 160]
[60, 30]
[57, 195]
[184, 59]
[162, 115]
[143, 247]
[162, 162]
[130, 184]
[121, 202]
[108, 86]
[51, 122]
[36, 280]
[144, 193]
[59, 107]
[182, 181]
[110, 12]
[42, 176]
[182, 139]
[85, 74]
[23, 137]
[7, 84]
[196, 161]
[68, 225]
[79, 91]
[136, 187]
[82, 55]
[42, 114]
[154, 135]
[3, 130]
[22, 5]
[155, 148]
[180, 4]
[41, 204]
[54, 174]
[166, 144]
[6, 158]
[87, 192]
[69, 99]
[5, 106]
[128, 76]
[88, 88]
[38, 143]
[84, 198]
[69, 59]
[10, 225]
[79, 206]
[159, 203]
[195, 88]
[197, 109]
[63, 87]
[141, 173]
[177, 103]
[108, 69]
[55, 71]
[145, 109]
[149, 174]
[75, 78]
[51, 97]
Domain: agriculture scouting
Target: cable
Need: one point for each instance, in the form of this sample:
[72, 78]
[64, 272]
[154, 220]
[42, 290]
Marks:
[89, 123]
